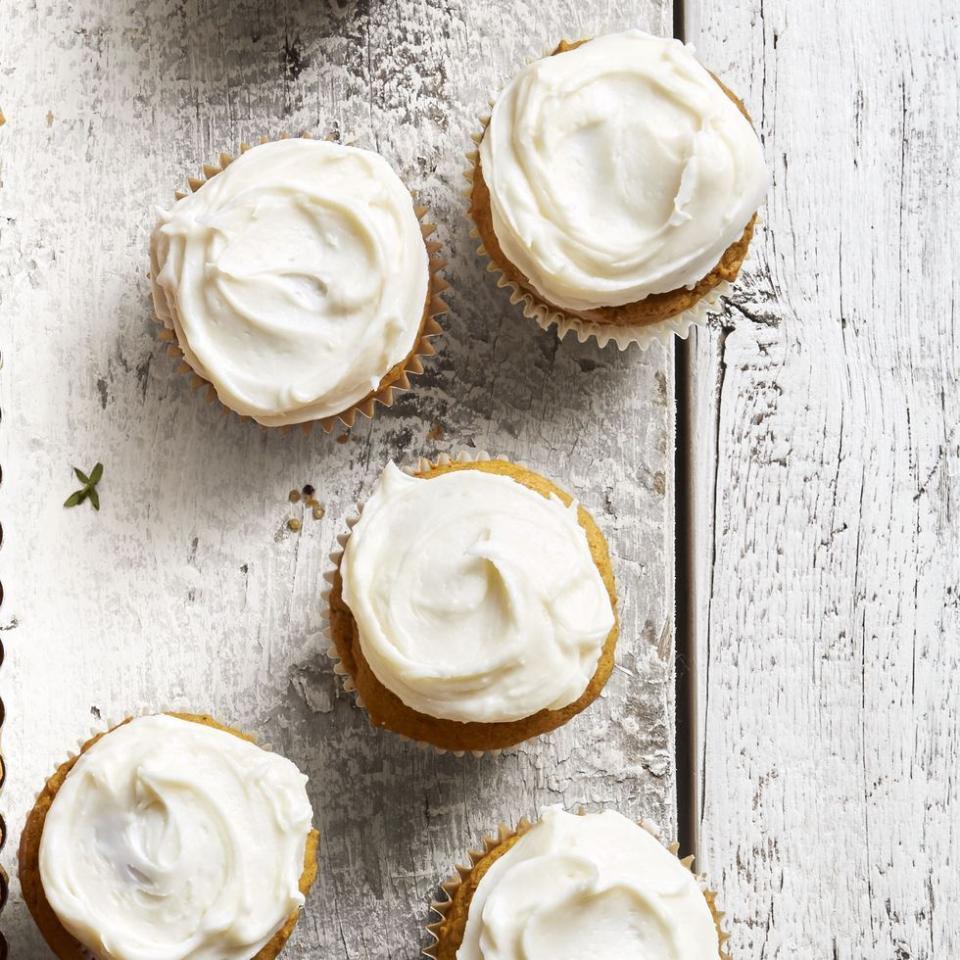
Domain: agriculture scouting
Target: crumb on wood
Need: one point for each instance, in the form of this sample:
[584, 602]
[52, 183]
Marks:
[49, 118]
[343, 438]
[308, 490]
[435, 432]
[318, 511]
[293, 524]
[294, 496]
[3, 119]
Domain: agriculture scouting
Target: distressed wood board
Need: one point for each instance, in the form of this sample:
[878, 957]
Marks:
[187, 590]
[829, 488]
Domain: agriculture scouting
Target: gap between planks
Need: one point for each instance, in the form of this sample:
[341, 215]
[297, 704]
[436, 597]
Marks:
[685, 645]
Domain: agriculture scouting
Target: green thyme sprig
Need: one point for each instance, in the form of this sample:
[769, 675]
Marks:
[89, 490]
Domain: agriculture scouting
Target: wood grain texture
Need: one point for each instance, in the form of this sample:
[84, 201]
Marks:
[187, 590]
[828, 395]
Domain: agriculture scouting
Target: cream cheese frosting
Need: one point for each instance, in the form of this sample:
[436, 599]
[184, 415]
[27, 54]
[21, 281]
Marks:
[475, 598]
[294, 280]
[618, 170]
[172, 840]
[595, 886]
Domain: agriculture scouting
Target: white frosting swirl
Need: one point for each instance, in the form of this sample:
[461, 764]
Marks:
[171, 840]
[618, 170]
[294, 280]
[475, 598]
[596, 886]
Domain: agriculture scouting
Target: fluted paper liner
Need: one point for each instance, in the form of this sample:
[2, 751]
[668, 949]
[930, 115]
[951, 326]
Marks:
[63, 943]
[392, 382]
[449, 887]
[546, 315]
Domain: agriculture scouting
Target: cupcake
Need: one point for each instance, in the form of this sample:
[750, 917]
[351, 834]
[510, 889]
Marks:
[596, 885]
[297, 282]
[616, 187]
[169, 836]
[473, 606]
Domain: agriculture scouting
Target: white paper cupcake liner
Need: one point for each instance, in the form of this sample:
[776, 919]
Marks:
[547, 316]
[440, 907]
[383, 396]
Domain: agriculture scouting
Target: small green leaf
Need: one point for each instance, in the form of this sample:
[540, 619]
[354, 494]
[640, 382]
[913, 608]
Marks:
[81, 476]
[94, 498]
[75, 498]
[96, 474]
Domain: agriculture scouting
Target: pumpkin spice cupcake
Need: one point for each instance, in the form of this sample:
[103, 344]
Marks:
[616, 188]
[297, 281]
[473, 606]
[169, 836]
[595, 885]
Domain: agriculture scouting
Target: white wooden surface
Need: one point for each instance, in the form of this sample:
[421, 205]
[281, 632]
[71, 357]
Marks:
[828, 413]
[186, 590]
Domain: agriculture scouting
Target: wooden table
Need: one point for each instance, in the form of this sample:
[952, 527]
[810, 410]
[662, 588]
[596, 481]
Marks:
[828, 481]
[187, 589]
[819, 465]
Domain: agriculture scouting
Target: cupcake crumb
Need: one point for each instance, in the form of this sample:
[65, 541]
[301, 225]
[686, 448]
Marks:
[318, 511]
[3, 119]
[343, 438]
[436, 431]
[293, 524]
[49, 118]
[308, 490]
[294, 496]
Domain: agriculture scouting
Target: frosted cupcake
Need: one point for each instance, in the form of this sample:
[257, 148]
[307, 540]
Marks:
[597, 886]
[169, 836]
[473, 606]
[297, 282]
[616, 186]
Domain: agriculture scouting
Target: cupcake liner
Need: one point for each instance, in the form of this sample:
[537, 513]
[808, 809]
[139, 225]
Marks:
[96, 732]
[441, 906]
[547, 316]
[330, 577]
[384, 395]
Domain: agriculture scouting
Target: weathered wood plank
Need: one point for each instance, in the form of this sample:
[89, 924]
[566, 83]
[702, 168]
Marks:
[831, 713]
[186, 590]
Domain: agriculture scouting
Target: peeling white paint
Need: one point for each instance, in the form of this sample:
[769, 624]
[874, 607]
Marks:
[829, 577]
